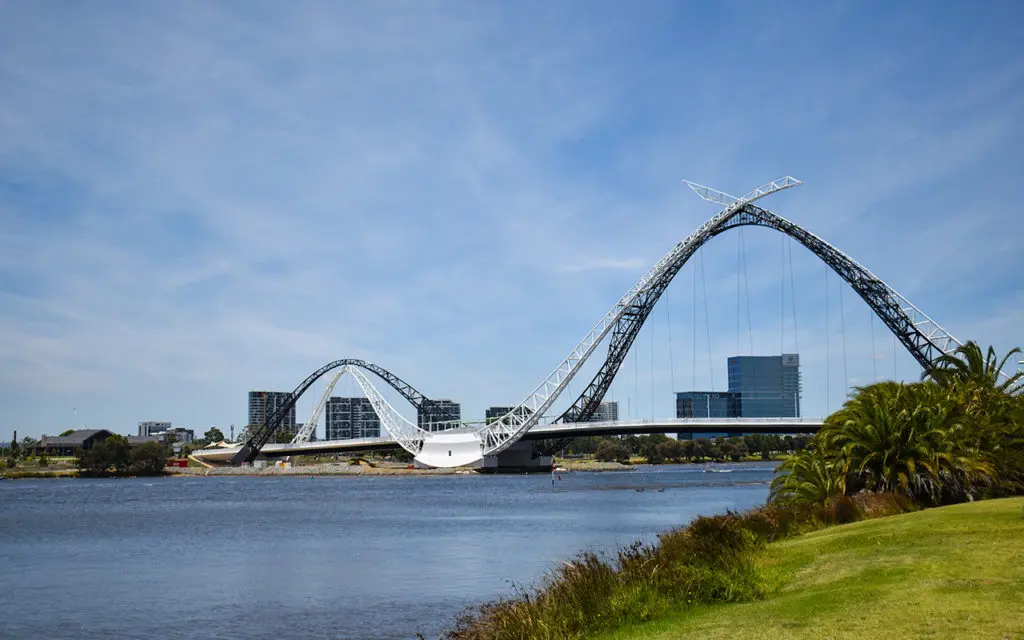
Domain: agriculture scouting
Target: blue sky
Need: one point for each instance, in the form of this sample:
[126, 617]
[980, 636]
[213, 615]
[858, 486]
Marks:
[198, 199]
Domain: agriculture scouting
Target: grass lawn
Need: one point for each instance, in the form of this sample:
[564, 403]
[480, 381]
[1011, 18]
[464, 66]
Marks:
[954, 572]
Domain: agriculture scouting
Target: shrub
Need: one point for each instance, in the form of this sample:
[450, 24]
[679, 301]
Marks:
[714, 559]
[611, 451]
[149, 459]
[43, 461]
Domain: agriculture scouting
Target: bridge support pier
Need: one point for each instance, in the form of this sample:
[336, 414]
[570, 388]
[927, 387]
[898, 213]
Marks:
[463, 450]
[519, 458]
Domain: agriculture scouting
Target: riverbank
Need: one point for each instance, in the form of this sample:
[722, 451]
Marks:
[591, 465]
[897, 572]
[20, 474]
[950, 572]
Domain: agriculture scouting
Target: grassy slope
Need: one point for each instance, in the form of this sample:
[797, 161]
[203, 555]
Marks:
[954, 572]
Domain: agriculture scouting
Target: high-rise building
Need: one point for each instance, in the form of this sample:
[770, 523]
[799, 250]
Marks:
[707, 404]
[768, 386]
[606, 412]
[150, 427]
[494, 413]
[263, 402]
[435, 411]
[350, 418]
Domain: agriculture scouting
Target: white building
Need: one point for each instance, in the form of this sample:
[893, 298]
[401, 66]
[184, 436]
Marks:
[152, 427]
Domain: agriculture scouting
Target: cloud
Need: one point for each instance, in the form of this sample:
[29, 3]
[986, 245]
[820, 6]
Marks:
[198, 201]
[631, 264]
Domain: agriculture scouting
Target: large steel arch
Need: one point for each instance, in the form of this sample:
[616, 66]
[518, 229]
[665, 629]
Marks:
[262, 435]
[501, 434]
[925, 339]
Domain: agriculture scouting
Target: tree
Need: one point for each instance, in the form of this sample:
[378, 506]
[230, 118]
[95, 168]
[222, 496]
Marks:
[809, 477]
[149, 459]
[671, 450]
[702, 448]
[214, 435]
[611, 451]
[967, 365]
[689, 449]
[114, 453]
[735, 448]
[910, 439]
[66, 432]
[283, 437]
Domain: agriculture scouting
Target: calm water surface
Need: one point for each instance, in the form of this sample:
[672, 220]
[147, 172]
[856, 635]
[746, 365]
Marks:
[327, 557]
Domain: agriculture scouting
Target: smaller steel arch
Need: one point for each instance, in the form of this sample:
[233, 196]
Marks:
[257, 439]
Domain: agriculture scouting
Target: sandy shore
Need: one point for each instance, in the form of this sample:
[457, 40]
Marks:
[327, 469]
[592, 465]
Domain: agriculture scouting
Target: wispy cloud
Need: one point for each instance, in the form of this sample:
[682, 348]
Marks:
[600, 264]
[198, 200]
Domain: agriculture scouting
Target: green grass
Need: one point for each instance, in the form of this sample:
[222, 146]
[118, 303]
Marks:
[952, 572]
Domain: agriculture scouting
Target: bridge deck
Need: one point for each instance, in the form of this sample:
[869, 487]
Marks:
[728, 426]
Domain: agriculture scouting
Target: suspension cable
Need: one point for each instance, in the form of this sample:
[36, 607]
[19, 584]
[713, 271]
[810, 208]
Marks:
[792, 295]
[782, 297]
[828, 388]
[636, 383]
[707, 322]
[842, 325]
[671, 355]
[739, 290]
[693, 349]
[895, 377]
[652, 371]
[746, 290]
[874, 359]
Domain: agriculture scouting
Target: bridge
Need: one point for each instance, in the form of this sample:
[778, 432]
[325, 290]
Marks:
[515, 434]
[728, 426]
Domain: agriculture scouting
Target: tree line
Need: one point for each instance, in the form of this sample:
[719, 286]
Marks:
[114, 456]
[659, 448]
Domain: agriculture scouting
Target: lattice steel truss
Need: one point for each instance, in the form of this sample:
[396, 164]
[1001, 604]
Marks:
[635, 305]
[254, 441]
[924, 338]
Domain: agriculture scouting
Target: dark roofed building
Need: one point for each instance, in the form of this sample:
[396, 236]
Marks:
[69, 445]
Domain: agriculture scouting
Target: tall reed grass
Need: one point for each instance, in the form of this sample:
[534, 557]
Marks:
[711, 560]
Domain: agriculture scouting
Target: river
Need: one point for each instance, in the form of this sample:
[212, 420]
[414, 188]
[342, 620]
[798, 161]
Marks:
[360, 558]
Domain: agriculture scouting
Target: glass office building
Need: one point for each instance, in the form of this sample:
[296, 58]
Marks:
[263, 402]
[351, 418]
[434, 413]
[606, 412]
[766, 386]
[496, 413]
[707, 404]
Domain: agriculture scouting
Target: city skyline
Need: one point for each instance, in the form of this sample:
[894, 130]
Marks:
[460, 204]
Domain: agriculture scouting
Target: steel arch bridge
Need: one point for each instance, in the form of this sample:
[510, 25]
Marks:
[256, 440]
[925, 339]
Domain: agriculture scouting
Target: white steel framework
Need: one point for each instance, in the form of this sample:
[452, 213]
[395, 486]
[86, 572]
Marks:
[307, 430]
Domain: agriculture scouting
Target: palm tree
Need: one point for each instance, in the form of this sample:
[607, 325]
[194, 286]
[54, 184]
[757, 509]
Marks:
[808, 477]
[968, 366]
[906, 438]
